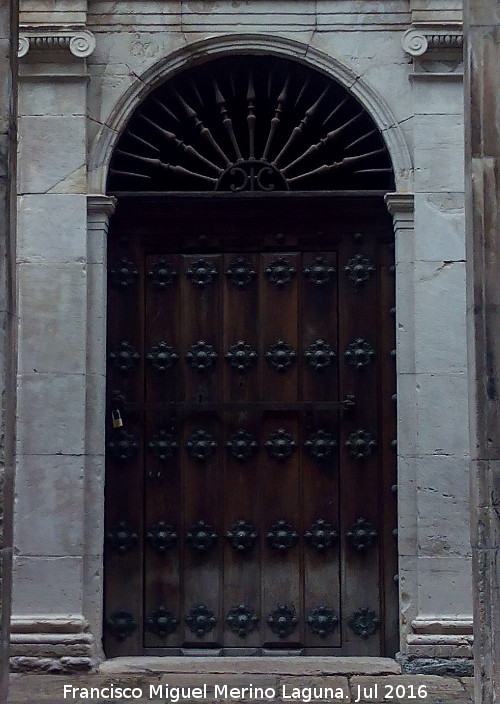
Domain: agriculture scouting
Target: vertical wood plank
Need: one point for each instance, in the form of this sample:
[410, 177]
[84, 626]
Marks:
[202, 479]
[281, 480]
[162, 568]
[320, 490]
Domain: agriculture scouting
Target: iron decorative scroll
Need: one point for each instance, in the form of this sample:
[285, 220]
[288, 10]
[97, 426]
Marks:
[250, 124]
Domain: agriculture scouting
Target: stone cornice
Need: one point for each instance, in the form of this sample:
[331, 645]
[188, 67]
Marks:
[400, 203]
[423, 37]
[79, 41]
[98, 204]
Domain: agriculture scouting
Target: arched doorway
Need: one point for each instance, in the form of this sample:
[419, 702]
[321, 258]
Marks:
[249, 502]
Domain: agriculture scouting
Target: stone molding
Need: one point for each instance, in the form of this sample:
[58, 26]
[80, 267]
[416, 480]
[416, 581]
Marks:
[101, 205]
[80, 42]
[461, 626]
[51, 644]
[48, 624]
[420, 39]
[399, 203]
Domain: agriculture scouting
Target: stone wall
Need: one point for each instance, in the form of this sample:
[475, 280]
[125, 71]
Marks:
[482, 105]
[8, 71]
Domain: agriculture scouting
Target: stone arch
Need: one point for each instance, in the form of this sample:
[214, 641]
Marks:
[215, 47]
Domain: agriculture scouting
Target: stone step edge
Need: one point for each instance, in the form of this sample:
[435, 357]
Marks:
[299, 666]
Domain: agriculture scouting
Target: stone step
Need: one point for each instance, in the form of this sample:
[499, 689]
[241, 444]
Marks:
[215, 688]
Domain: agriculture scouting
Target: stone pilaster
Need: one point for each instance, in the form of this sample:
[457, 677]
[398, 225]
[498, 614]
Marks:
[8, 98]
[49, 631]
[482, 105]
[99, 210]
[430, 265]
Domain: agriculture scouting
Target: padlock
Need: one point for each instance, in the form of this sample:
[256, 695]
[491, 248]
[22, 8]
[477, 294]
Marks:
[117, 419]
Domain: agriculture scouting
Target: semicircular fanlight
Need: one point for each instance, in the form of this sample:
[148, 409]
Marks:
[250, 123]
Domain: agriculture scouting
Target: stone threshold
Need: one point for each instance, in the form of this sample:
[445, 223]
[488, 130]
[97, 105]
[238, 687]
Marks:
[269, 665]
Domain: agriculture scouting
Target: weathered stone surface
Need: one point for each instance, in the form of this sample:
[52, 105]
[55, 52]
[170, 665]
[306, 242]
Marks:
[60, 166]
[482, 84]
[52, 303]
[266, 665]
[8, 101]
[438, 325]
[59, 432]
[399, 689]
[442, 414]
[52, 228]
[439, 153]
[62, 499]
[320, 687]
[52, 583]
[439, 235]
[440, 690]
[449, 667]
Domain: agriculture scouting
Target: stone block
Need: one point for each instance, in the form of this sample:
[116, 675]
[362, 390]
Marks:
[236, 681]
[438, 97]
[485, 504]
[320, 688]
[52, 228]
[53, 584]
[313, 665]
[52, 309]
[46, 96]
[97, 254]
[49, 505]
[439, 227]
[405, 318]
[442, 414]
[443, 508]
[439, 689]
[407, 506]
[439, 153]
[96, 418]
[407, 415]
[52, 154]
[96, 318]
[134, 49]
[93, 590]
[444, 586]
[53, 419]
[440, 325]
[94, 504]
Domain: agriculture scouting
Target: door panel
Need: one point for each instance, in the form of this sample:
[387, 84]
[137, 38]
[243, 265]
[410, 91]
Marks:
[251, 508]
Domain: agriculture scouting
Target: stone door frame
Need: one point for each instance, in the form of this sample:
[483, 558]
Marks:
[77, 636]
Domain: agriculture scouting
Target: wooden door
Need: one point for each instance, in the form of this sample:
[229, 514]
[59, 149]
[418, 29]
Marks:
[249, 492]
